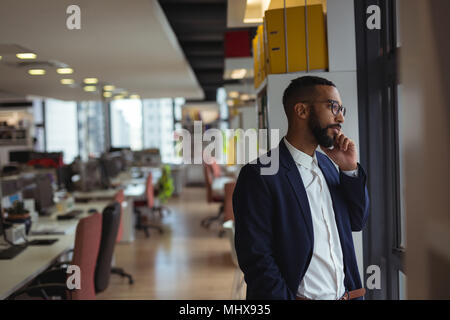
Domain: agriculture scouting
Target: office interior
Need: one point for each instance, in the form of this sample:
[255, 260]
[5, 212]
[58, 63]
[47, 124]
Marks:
[95, 95]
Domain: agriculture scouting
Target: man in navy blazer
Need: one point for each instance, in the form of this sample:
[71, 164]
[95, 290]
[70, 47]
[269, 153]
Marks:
[294, 228]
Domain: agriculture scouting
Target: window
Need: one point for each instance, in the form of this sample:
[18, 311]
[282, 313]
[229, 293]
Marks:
[91, 129]
[61, 128]
[379, 97]
[158, 127]
[126, 124]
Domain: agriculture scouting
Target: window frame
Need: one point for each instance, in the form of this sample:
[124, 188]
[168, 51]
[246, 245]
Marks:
[377, 56]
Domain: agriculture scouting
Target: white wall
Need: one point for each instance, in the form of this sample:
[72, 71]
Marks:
[249, 118]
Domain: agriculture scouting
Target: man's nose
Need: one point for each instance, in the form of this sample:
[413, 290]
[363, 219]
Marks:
[340, 117]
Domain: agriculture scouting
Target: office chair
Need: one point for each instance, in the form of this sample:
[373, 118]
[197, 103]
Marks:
[215, 183]
[120, 198]
[110, 227]
[148, 204]
[53, 282]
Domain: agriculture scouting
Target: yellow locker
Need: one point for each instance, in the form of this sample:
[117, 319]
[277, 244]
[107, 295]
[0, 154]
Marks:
[261, 60]
[266, 50]
[317, 38]
[255, 62]
[296, 58]
[296, 39]
[276, 41]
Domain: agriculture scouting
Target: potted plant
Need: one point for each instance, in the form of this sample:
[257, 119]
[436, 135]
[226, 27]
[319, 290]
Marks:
[18, 214]
[165, 185]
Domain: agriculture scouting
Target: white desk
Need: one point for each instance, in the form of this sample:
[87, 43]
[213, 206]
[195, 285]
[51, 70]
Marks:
[132, 192]
[17, 272]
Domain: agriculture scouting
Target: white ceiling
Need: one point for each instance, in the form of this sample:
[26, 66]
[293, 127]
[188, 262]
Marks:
[125, 43]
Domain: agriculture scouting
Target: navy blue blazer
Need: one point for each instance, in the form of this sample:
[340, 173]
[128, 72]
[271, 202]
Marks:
[274, 233]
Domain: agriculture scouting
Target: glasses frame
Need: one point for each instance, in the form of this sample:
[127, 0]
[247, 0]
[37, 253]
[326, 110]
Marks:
[334, 106]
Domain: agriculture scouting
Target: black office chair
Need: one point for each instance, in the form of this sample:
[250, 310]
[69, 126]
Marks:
[110, 228]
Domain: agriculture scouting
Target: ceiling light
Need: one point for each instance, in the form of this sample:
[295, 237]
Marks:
[135, 96]
[254, 10]
[26, 55]
[67, 81]
[107, 94]
[0, 57]
[64, 70]
[238, 73]
[118, 97]
[233, 94]
[91, 80]
[109, 88]
[245, 97]
[230, 103]
[36, 72]
[90, 88]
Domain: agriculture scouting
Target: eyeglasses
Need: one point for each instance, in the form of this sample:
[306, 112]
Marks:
[333, 105]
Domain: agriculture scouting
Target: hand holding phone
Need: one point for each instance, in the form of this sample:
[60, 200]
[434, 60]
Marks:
[344, 153]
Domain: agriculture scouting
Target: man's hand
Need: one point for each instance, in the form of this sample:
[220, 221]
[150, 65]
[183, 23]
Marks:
[344, 153]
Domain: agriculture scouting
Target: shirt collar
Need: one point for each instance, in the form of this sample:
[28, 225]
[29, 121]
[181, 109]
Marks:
[300, 157]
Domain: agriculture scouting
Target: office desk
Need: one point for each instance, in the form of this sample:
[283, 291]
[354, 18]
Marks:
[17, 272]
[132, 192]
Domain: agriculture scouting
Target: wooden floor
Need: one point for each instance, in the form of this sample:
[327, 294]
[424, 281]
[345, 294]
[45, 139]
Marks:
[187, 261]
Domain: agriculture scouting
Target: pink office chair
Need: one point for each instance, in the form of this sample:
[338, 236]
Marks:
[53, 282]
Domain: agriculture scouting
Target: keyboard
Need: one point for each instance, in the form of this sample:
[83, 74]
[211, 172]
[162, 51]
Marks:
[11, 252]
[69, 215]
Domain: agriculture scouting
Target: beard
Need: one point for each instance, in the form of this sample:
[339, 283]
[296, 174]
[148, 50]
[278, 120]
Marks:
[321, 134]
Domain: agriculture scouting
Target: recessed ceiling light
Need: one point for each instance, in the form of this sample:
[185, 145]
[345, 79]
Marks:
[26, 55]
[230, 103]
[36, 72]
[245, 97]
[238, 74]
[109, 87]
[135, 96]
[67, 81]
[0, 57]
[107, 94]
[233, 94]
[90, 88]
[64, 70]
[90, 80]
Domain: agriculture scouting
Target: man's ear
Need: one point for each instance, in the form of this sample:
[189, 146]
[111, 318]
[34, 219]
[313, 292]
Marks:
[301, 110]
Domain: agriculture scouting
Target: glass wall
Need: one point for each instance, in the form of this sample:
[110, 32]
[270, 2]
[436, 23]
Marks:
[61, 128]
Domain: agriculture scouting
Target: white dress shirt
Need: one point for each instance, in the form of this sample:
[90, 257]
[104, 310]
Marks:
[324, 279]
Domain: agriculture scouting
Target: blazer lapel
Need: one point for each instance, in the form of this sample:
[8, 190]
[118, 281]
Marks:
[298, 187]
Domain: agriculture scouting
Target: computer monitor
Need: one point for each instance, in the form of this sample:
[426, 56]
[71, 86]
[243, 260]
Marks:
[90, 175]
[20, 156]
[44, 194]
[65, 174]
[10, 186]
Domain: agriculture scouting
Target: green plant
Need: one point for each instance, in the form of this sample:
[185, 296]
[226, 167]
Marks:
[165, 185]
[17, 208]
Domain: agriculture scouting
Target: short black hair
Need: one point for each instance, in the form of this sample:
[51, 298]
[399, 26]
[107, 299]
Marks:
[301, 89]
